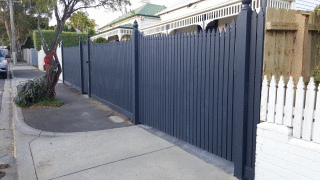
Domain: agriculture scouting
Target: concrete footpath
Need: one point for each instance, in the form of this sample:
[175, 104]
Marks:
[120, 153]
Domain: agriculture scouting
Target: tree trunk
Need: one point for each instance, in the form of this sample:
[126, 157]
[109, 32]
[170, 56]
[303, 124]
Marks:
[51, 77]
[19, 51]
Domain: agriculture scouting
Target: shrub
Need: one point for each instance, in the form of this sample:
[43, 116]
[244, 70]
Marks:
[68, 38]
[30, 92]
[100, 40]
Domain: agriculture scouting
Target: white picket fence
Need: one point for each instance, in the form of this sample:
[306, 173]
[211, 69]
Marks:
[292, 106]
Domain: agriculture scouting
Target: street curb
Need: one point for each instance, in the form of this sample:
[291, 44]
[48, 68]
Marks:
[23, 136]
[18, 119]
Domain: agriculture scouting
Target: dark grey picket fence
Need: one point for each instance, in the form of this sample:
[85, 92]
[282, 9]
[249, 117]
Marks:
[202, 88]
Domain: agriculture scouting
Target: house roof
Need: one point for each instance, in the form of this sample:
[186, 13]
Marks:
[178, 5]
[125, 26]
[148, 9]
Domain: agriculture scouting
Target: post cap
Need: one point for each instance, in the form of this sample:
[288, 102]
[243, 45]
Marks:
[88, 35]
[135, 24]
[246, 1]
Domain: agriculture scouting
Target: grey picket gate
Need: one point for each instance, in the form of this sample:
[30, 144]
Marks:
[72, 66]
[203, 88]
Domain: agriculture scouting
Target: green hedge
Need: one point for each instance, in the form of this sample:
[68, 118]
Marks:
[68, 38]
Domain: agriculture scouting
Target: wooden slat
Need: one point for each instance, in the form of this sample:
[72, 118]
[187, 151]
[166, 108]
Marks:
[184, 74]
[207, 90]
[286, 26]
[220, 90]
[211, 91]
[226, 94]
[314, 27]
[216, 93]
[189, 88]
[180, 63]
[175, 86]
[194, 86]
[230, 91]
[309, 111]
[169, 89]
[198, 91]
[203, 89]
[193, 89]
[298, 111]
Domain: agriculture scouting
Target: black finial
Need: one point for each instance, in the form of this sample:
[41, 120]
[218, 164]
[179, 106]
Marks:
[80, 37]
[135, 24]
[246, 4]
[88, 36]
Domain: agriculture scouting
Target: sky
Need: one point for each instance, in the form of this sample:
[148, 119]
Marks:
[103, 16]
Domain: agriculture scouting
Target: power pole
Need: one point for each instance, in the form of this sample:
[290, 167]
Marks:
[13, 35]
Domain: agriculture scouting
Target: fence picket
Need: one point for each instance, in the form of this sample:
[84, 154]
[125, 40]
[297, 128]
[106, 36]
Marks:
[280, 101]
[264, 99]
[298, 111]
[316, 125]
[288, 112]
[193, 87]
[309, 110]
[272, 100]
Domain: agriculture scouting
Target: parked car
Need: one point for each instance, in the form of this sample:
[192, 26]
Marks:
[3, 65]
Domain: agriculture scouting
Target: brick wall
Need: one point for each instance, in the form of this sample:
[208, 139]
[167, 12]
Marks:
[281, 156]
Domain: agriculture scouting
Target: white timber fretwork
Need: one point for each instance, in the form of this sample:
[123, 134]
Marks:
[226, 10]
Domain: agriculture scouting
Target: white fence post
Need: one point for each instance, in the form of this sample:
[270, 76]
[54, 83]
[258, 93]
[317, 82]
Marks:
[316, 130]
[298, 109]
[288, 112]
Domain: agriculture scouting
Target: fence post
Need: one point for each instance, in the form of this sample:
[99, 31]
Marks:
[241, 83]
[135, 45]
[89, 66]
[265, 4]
[81, 64]
[62, 61]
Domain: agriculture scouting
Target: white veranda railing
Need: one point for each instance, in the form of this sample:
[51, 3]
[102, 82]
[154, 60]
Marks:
[293, 106]
[216, 13]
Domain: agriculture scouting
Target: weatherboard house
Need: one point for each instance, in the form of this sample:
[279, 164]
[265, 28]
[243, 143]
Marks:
[121, 28]
[189, 16]
[195, 15]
